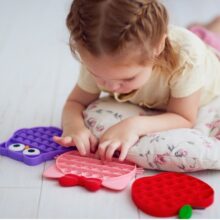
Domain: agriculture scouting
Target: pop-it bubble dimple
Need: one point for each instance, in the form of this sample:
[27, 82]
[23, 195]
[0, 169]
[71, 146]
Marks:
[164, 195]
[33, 146]
[72, 169]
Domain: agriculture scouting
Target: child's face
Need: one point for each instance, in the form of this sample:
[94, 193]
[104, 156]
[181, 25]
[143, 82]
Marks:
[112, 74]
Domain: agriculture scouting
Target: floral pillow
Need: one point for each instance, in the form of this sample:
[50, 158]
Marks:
[181, 150]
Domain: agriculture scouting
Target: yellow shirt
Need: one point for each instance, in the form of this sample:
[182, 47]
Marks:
[199, 68]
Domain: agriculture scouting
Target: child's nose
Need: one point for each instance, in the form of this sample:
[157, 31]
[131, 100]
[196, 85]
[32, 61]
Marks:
[113, 86]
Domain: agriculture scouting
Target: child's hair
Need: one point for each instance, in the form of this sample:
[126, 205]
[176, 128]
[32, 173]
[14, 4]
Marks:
[112, 26]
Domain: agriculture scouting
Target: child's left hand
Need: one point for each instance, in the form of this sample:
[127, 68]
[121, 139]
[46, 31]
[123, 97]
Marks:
[121, 137]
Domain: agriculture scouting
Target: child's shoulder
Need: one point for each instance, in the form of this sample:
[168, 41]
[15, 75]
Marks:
[183, 36]
[189, 46]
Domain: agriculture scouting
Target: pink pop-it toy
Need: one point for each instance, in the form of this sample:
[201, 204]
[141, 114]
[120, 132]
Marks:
[164, 195]
[72, 169]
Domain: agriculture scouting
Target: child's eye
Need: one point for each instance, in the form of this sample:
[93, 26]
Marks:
[130, 79]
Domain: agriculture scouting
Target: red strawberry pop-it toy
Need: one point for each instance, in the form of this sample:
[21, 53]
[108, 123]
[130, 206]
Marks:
[163, 195]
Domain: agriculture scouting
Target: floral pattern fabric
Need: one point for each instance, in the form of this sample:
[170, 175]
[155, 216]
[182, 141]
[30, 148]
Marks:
[180, 150]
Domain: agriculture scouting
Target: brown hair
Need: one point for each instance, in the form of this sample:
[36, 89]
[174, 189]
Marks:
[112, 26]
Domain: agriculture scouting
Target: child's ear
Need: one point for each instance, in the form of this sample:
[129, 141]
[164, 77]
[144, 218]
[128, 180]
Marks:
[160, 46]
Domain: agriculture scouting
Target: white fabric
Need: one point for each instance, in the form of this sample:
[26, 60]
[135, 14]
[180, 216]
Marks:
[181, 150]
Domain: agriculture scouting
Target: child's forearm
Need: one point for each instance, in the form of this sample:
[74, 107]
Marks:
[72, 116]
[162, 122]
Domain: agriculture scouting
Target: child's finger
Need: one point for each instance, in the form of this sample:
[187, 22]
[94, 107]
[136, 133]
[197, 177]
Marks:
[86, 144]
[57, 139]
[67, 140]
[80, 147]
[124, 152]
[93, 143]
[111, 149]
[63, 141]
[102, 149]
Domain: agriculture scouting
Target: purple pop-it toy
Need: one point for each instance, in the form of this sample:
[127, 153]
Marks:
[33, 146]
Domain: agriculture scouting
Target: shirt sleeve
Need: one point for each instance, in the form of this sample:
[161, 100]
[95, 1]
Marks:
[186, 81]
[87, 82]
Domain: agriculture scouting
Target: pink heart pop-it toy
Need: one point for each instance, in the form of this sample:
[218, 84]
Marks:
[72, 169]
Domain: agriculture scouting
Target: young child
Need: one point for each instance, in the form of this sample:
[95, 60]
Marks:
[127, 49]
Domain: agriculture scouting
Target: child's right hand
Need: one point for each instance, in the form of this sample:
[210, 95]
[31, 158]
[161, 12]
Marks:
[83, 139]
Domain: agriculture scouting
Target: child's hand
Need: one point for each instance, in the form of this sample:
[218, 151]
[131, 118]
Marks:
[83, 139]
[121, 137]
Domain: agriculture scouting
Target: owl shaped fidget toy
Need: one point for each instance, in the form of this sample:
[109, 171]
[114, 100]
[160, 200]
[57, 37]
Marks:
[33, 146]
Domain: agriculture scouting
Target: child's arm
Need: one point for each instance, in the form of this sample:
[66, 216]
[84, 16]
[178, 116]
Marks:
[181, 113]
[74, 129]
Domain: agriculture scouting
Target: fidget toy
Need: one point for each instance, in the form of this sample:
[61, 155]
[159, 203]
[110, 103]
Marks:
[167, 194]
[33, 146]
[71, 169]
